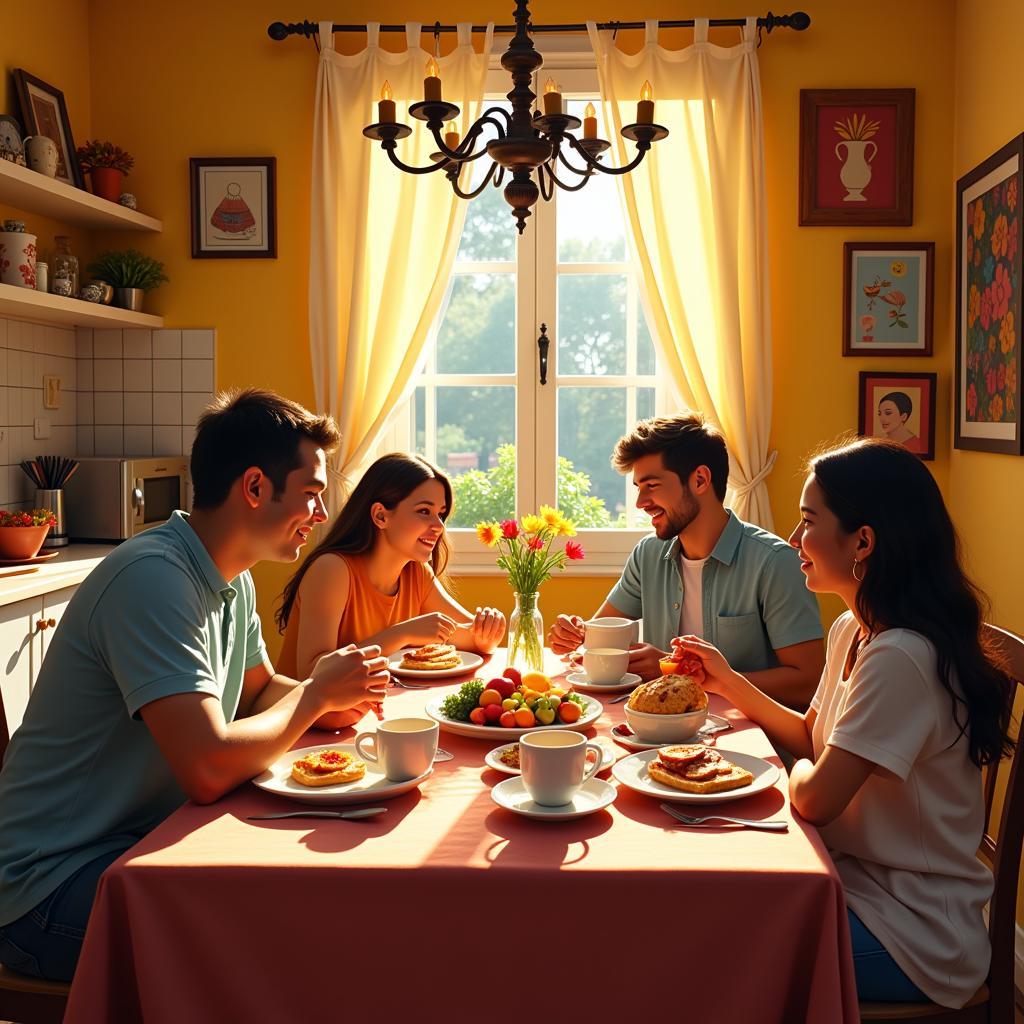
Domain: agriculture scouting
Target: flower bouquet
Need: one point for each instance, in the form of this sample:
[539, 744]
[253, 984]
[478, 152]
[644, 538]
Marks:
[22, 533]
[526, 555]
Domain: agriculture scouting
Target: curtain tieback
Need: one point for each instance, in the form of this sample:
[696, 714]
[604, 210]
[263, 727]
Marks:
[745, 488]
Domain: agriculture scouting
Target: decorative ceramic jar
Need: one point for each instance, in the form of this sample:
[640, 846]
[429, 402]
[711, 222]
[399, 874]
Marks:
[65, 264]
[42, 154]
[62, 286]
[91, 293]
[18, 258]
[128, 200]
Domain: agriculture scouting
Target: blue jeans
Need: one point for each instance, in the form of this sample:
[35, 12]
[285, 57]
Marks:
[47, 941]
[879, 978]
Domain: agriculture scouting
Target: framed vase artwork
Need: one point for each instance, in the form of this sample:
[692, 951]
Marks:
[988, 302]
[888, 298]
[899, 407]
[44, 112]
[234, 207]
[857, 156]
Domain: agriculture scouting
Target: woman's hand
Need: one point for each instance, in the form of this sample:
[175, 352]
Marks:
[432, 628]
[487, 629]
[718, 676]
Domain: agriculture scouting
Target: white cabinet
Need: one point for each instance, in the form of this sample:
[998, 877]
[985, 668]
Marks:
[25, 631]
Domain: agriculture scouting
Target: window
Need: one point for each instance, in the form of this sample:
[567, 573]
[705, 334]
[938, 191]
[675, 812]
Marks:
[479, 411]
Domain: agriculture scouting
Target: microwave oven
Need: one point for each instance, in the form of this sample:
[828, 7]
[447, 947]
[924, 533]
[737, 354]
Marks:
[116, 498]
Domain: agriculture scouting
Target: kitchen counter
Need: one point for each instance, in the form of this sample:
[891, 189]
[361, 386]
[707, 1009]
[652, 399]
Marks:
[68, 569]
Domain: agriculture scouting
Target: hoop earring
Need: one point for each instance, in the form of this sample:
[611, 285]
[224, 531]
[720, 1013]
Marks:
[860, 578]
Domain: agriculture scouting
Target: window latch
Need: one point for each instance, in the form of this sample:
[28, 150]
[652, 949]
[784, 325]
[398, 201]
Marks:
[543, 341]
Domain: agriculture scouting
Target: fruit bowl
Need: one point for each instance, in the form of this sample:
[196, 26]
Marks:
[18, 542]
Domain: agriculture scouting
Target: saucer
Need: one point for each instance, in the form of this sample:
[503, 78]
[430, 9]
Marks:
[633, 742]
[493, 759]
[581, 681]
[593, 795]
[30, 561]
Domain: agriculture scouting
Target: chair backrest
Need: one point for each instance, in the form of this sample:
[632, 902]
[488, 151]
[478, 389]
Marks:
[1001, 845]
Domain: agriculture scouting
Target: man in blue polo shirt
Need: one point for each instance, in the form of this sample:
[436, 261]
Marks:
[157, 686]
[705, 572]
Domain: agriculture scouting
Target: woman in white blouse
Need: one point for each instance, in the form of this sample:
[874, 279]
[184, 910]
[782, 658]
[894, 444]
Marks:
[911, 704]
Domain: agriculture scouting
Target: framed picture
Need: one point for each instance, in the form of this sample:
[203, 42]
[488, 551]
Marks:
[988, 289]
[900, 407]
[44, 112]
[234, 211]
[856, 156]
[887, 298]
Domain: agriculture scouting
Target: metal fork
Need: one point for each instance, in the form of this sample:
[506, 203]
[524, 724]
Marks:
[686, 819]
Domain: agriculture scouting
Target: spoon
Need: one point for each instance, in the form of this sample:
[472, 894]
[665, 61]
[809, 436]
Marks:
[361, 812]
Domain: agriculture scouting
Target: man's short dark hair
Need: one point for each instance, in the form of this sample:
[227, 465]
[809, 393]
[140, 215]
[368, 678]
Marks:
[247, 428]
[684, 441]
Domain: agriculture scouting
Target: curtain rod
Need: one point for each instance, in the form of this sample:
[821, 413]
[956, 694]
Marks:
[797, 21]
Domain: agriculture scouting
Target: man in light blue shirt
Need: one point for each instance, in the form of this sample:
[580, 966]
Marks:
[157, 686]
[705, 572]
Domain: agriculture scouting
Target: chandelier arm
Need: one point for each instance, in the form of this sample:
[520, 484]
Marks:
[547, 189]
[582, 172]
[497, 110]
[454, 179]
[597, 166]
[459, 154]
[408, 168]
[563, 185]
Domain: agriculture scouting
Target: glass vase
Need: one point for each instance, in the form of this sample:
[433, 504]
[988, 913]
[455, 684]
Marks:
[526, 635]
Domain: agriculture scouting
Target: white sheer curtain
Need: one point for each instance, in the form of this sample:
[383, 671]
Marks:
[382, 241]
[697, 216]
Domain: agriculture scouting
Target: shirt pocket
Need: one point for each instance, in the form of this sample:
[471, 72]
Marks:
[743, 641]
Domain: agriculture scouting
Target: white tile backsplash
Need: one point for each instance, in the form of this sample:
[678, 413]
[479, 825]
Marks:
[122, 392]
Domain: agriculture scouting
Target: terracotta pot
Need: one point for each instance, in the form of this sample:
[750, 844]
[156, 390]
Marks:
[21, 541]
[107, 183]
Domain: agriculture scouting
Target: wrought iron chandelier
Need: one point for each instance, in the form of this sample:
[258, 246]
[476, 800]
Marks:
[529, 145]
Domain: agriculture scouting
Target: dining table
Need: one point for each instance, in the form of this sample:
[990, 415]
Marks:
[452, 909]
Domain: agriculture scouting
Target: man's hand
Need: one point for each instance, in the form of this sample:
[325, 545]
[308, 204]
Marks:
[566, 634]
[643, 660]
[350, 676]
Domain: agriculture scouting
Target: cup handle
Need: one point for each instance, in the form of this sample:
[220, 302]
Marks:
[370, 737]
[596, 767]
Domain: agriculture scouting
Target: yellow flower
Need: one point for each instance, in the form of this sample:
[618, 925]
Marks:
[995, 408]
[973, 305]
[1007, 335]
[551, 516]
[533, 524]
[979, 219]
[991, 343]
[566, 528]
[898, 268]
[489, 533]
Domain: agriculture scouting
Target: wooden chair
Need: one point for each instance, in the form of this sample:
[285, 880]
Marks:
[24, 999]
[993, 1002]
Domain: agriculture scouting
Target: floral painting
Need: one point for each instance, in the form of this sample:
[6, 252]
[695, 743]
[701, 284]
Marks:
[888, 298]
[988, 294]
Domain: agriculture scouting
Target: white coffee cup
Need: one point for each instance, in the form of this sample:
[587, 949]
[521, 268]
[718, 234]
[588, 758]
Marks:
[554, 765]
[605, 665]
[611, 631]
[403, 747]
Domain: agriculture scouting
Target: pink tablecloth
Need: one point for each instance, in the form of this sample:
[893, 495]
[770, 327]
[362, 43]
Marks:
[450, 909]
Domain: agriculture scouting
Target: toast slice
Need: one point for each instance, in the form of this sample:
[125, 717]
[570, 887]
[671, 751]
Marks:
[327, 768]
[729, 776]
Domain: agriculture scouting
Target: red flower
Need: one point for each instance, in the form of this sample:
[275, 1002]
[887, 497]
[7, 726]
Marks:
[510, 529]
[573, 550]
[535, 543]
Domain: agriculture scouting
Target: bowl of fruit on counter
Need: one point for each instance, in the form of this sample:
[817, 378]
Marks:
[510, 705]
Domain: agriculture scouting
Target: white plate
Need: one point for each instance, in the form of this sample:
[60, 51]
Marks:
[591, 796]
[632, 772]
[581, 681]
[493, 759]
[635, 743]
[469, 662]
[373, 785]
[591, 713]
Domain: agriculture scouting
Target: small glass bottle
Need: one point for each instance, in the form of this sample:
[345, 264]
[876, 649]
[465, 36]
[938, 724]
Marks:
[42, 276]
[65, 263]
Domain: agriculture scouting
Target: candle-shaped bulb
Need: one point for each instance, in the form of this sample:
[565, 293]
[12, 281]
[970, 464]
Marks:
[386, 106]
[590, 122]
[552, 98]
[451, 140]
[432, 83]
[645, 108]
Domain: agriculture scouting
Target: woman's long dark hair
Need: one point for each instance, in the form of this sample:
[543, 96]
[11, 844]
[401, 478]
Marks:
[914, 579]
[391, 479]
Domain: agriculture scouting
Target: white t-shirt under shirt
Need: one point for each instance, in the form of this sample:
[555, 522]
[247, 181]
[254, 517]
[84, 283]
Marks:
[691, 615]
[906, 845]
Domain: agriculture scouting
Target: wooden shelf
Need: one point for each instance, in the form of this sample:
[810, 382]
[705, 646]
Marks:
[41, 307]
[36, 193]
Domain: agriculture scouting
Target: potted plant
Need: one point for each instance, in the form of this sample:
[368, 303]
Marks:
[131, 273]
[107, 165]
[22, 533]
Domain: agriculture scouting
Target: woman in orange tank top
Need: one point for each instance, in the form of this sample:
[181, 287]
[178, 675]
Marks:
[373, 579]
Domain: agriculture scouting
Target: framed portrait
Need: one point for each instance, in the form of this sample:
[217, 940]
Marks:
[234, 207]
[887, 298]
[44, 112]
[857, 156]
[899, 407]
[988, 290]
